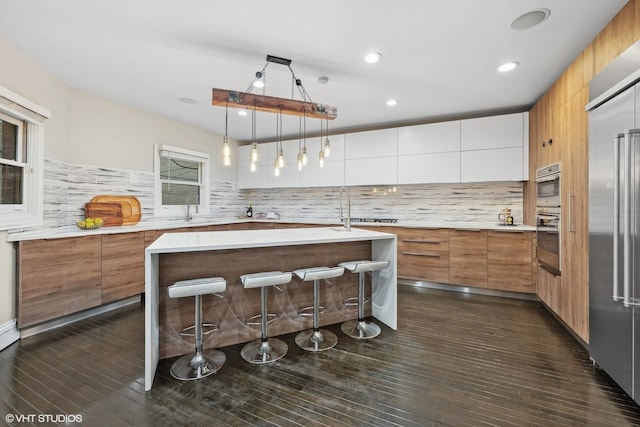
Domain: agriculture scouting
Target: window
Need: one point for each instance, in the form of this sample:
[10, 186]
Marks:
[181, 181]
[21, 161]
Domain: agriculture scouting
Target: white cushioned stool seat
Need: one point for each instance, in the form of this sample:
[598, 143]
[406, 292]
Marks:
[365, 265]
[193, 287]
[317, 273]
[268, 278]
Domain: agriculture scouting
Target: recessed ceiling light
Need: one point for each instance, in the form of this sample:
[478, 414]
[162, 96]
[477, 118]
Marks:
[187, 100]
[392, 102]
[323, 80]
[243, 112]
[507, 66]
[373, 57]
[530, 19]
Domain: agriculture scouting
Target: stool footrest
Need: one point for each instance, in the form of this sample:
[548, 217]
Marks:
[257, 319]
[308, 311]
[353, 301]
[207, 328]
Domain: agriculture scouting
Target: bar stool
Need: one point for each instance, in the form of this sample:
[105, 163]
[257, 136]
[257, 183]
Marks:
[317, 339]
[265, 349]
[201, 363]
[361, 328]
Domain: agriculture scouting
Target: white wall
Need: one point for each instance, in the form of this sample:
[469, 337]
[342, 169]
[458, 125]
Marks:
[87, 129]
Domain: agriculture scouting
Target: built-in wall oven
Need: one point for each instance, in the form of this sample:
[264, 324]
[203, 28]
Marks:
[548, 215]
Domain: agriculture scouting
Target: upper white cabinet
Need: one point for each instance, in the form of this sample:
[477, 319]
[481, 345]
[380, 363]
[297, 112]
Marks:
[440, 137]
[429, 153]
[495, 148]
[373, 143]
[492, 132]
[371, 158]
[473, 150]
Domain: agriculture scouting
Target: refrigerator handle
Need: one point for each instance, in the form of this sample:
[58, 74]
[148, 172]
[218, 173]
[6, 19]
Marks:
[616, 214]
[572, 198]
[627, 261]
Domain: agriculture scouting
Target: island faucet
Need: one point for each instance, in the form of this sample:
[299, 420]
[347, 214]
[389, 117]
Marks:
[347, 224]
[189, 216]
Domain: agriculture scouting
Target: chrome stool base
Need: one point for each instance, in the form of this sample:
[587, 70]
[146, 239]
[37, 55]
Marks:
[259, 352]
[360, 329]
[195, 366]
[319, 340]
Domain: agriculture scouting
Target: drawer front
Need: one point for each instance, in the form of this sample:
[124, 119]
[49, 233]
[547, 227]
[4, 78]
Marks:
[423, 254]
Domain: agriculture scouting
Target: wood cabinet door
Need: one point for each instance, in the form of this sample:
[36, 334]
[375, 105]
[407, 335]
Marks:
[509, 261]
[57, 277]
[468, 258]
[122, 266]
[423, 254]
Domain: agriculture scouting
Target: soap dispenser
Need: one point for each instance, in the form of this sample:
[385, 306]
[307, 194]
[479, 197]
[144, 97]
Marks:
[249, 212]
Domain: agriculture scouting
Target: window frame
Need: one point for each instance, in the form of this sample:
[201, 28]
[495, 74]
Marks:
[30, 212]
[204, 159]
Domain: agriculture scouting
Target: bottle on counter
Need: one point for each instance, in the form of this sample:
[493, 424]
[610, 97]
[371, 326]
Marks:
[250, 212]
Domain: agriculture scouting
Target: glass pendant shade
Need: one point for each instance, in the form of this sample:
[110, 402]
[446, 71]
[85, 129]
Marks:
[226, 160]
[300, 161]
[254, 152]
[327, 147]
[253, 167]
[321, 158]
[304, 156]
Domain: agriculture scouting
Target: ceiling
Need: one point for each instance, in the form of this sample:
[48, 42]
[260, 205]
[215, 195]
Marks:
[440, 58]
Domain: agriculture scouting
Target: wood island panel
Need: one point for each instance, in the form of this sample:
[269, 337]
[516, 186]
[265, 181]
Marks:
[122, 266]
[468, 258]
[239, 304]
[57, 277]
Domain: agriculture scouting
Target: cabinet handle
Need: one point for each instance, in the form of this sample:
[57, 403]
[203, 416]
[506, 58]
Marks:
[435, 242]
[419, 254]
[571, 219]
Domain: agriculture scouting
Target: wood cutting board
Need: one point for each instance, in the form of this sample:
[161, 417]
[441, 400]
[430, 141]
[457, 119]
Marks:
[111, 213]
[130, 205]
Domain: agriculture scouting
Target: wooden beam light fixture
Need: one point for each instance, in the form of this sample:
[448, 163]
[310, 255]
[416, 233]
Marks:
[271, 104]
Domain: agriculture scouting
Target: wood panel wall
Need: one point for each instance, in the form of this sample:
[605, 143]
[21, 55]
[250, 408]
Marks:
[559, 115]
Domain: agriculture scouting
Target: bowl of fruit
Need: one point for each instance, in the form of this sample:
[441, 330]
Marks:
[90, 223]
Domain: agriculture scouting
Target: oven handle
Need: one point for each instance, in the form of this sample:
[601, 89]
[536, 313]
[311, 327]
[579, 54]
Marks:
[547, 178]
[616, 213]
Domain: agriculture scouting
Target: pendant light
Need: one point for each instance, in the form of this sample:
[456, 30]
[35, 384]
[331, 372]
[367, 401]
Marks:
[327, 143]
[253, 157]
[226, 149]
[281, 151]
[300, 144]
[321, 154]
[304, 142]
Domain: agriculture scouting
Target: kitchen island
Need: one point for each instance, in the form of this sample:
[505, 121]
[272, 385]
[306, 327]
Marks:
[229, 254]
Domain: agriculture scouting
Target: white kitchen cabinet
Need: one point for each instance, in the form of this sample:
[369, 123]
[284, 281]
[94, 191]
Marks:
[493, 132]
[504, 164]
[331, 175]
[374, 143]
[429, 168]
[440, 137]
[372, 171]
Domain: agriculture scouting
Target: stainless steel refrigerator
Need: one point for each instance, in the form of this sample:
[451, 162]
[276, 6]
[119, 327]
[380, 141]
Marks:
[614, 228]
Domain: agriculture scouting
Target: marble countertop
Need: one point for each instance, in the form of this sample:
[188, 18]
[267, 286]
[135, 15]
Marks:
[73, 231]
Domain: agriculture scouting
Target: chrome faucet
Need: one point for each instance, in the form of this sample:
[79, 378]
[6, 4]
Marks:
[189, 216]
[347, 224]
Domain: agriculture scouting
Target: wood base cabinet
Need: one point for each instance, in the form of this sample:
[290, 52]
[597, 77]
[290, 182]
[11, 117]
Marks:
[122, 266]
[468, 258]
[509, 261]
[58, 277]
[423, 254]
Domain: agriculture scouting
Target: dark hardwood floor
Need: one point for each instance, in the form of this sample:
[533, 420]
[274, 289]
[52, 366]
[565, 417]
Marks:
[456, 359]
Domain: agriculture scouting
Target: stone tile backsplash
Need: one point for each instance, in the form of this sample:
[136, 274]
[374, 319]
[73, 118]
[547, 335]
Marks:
[67, 187]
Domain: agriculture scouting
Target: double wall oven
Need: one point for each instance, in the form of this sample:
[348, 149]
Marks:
[548, 211]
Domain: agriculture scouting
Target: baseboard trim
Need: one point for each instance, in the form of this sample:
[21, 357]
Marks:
[62, 321]
[469, 289]
[8, 334]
